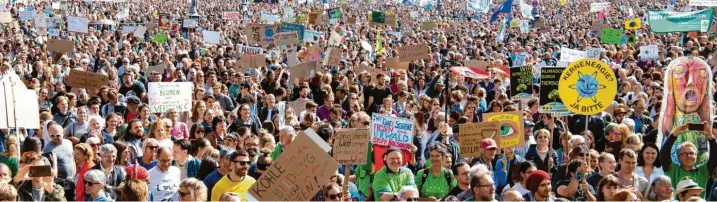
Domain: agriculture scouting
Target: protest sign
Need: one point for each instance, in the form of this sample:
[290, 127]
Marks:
[429, 25]
[705, 3]
[164, 21]
[587, 86]
[550, 101]
[378, 17]
[88, 80]
[511, 128]
[77, 24]
[593, 53]
[40, 21]
[611, 36]
[189, 23]
[334, 13]
[351, 20]
[60, 46]
[311, 18]
[311, 36]
[518, 59]
[5, 17]
[514, 23]
[140, 31]
[248, 50]
[391, 131]
[334, 58]
[521, 82]
[570, 55]
[211, 37]
[303, 69]
[395, 63]
[270, 19]
[470, 72]
[662, 21]
[597, 7]
[299, 105]
[20, 108]
[413, 52]
[231, 16]
[290, 27]
[524, 26]
[305, 166]
[351, 146]
[160, 38]
[336, 39]
[259, 34]
[475, 64]
[322, 19]
[246, 61]
[156, 68]
[164, 96]
[471, 134]
[285, 39]
[649, 53]
[313, 53]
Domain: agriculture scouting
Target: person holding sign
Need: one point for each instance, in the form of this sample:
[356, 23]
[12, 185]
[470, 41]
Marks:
[541, 154]
[389, 180]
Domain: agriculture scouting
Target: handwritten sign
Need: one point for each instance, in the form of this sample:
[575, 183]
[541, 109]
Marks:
[471, 134]
[593, 53]
[88, 80]
[247, 61]
[571, 55]
[60, 46]
[286, 39]
[649, 53]
[5, 17]
[164, 96]
[413, 52]
[521, 82]
[299, 172]
[518, 59]
[290, 27]
[311, 36]
[334, 58]
[211, 37]
[395, 63]
[351, 146]
[597, 7]
[303, 69]
[611, 36]
[259, 34]
[77, 24]
[299, 105]
[248, 50]
[157, 68]
[231, 16]
[391, 131]
[511, 128]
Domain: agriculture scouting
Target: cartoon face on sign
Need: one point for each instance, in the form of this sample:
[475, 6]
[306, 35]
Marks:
[687, 100]
[587, 86]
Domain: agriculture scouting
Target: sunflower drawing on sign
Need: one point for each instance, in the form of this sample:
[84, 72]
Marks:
[633, 24]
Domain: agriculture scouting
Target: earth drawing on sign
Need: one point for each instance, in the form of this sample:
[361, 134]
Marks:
[587, 86]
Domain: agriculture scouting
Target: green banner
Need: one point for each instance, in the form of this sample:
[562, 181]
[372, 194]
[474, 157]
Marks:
[662, 21]
[334, 13]
[378, 17]
[160, 38]
[610, 36]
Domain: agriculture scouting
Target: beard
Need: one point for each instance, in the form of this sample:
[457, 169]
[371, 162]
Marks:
[240, 171]
[252, 152]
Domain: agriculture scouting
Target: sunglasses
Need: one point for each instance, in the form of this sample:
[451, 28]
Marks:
[95, 145]
[152, 147]
[182, 194]
[242, 162]
[336, 196]
[412, 199]
[88, 183]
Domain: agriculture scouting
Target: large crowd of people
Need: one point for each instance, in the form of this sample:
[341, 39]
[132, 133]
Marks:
[107, 143]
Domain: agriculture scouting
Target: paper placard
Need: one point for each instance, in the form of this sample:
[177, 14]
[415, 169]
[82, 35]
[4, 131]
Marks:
[298, 105]
[429, 25]
[88, 80]
[511, 128]
[140, 31]
[413, 52]
[290, 27]
[391, 131]
[60, 46]
[248, 50]
[524, 26]
[305, 165]
[351, 146]
[303, 69]
[571, 55]
[77, 24]
[189, 23]
[312, 36]
[334, 58]
[231, 16]
[211, 37]
[259, 34]
[26, 14]
[395, 63]
[597, 7]
[40, 21]
[157, 68]
[475, 64]
[5, 17]
[286, 39]
[705, 3]
[649, 53]
[471, 134]
[593, 53]
[164, 96]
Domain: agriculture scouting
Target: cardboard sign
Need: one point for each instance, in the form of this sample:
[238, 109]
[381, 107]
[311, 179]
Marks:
[77, 24]
[311, 18]
[610, 36]
[521, 83]
[303, 69]
[247, 61]
[259, 34]
[18, 109]
[286, 39]
[231, 16]
[351, 146]
[511, 128]
[352, 20]
[471, 134]
[322, 19]
[88, 80]
[395, 63]
[164, 96]
[334, 58]
[391, 131]
[299, 105]
[157, 68]
[60, 46]
[311, 54]
[248, 50]
[211, 37]
[475, 64]
[305, 165]
[413, 52]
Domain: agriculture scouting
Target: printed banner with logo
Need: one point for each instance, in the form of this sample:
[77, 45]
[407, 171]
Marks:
[663, 21]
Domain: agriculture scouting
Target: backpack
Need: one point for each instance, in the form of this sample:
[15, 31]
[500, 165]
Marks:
[446, 173]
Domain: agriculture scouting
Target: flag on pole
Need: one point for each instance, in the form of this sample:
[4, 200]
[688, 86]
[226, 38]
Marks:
[506, 7]
[379, 42]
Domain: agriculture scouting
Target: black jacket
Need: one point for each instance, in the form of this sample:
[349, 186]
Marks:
[264, 111]
[542, 164]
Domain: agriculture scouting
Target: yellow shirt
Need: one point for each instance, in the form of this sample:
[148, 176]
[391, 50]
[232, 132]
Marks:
[226, 185]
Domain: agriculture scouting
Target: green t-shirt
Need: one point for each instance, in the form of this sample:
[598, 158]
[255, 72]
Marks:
[11, 162]
[700, 175]
[435, 186]
[387, 181]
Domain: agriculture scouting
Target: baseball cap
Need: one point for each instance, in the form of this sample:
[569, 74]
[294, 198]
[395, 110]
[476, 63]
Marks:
[488, 143]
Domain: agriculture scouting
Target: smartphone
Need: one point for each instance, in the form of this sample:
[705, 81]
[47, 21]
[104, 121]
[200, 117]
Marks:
[40, 171]
[696, 127]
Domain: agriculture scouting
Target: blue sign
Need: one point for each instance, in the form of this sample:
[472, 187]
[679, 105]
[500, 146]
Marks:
[290, 27]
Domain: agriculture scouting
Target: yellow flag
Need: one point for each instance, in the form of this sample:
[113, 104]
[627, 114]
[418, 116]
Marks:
[379, 42]
[633, 24]
[563, 2]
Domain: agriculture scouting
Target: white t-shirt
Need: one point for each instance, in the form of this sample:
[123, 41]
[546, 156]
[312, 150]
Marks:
[164, 186]
[518, 188]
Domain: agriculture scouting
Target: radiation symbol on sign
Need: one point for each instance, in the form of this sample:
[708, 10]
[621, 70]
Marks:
[587, 86]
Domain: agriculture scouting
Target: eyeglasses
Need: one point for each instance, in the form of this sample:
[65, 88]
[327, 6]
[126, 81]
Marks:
[688, 154]
[182, 194]
[243, 163]
[89, 183]
[95, 145]
[412, 199]
[336, 196]
[491, 185]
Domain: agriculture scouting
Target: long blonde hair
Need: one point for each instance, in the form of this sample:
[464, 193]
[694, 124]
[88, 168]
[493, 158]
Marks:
[154, 125]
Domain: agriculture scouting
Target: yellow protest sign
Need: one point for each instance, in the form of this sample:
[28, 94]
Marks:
[563, 2]
[514, 23]
[633, 24]
[511, 128]
[587, 86]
